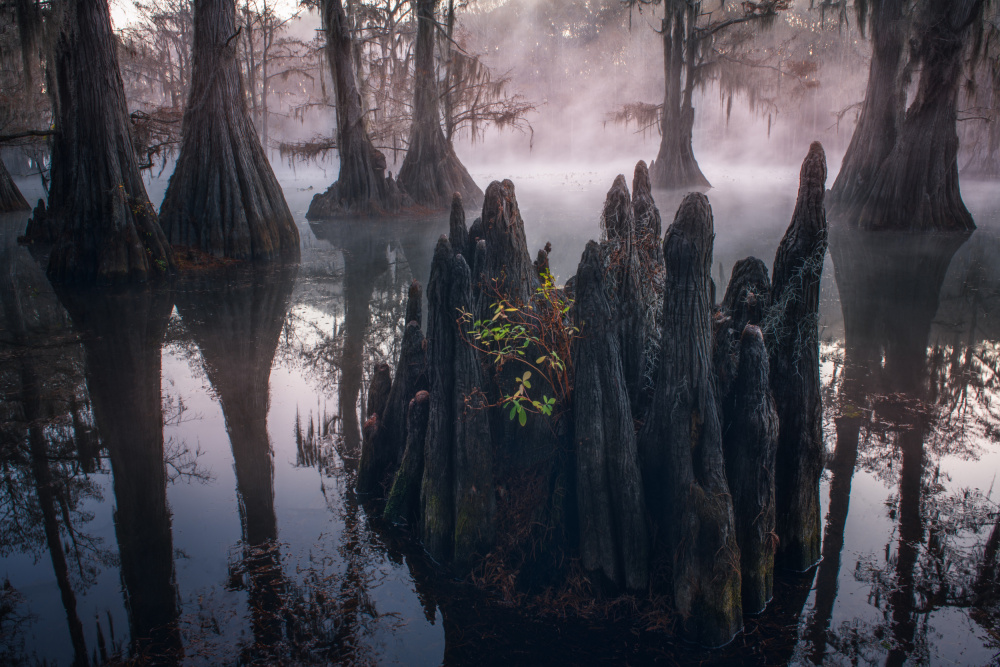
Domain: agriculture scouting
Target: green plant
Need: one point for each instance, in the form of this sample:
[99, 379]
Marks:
[537, 335]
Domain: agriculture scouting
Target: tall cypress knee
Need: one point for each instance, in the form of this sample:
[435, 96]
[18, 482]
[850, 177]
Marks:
[750, 442]
[793, 344]
[610, 499]
[223, 197]
[680, 445]
[98, 215]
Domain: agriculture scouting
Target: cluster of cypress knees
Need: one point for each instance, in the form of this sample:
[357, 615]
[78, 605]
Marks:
[687, 460]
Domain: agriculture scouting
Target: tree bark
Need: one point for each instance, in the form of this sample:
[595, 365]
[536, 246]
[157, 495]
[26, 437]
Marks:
[403, 504]
[457, 492]
[792, 328]
[680, 444]
[223, 197]
[11, 198]
[750, 442]
[883, 108]
[98, 216]
[431, 170]
[362, 188]
[675, 166]
[610, 500]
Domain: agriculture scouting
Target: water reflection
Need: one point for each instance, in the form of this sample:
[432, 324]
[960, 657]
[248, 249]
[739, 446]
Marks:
[236, 319]
[122, 331]
[891, 419]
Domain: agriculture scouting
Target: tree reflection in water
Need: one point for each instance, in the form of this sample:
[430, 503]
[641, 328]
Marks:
[899, 411]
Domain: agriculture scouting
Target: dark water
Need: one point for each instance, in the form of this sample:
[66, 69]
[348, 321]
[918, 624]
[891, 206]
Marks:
[177, 461]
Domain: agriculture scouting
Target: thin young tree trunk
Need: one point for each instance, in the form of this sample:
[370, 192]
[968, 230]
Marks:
[431, 171]
[223, 197]
[362, 186]
[99, 216]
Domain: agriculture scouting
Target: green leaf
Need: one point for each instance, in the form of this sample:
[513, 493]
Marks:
[539, 360]
[522, 416]
[513, 409]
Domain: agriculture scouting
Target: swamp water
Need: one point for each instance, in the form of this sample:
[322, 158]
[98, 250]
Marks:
[177, 463]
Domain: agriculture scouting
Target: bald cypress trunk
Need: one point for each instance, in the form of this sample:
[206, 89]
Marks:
[11, 198]
[98, 215]
[362, 186]
[223, 197]
[883, 108]
[680, 445]
[675, 165]
[431, 171]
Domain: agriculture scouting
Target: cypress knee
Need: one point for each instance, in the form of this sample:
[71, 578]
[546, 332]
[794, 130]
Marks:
[680, 445]
[11, 198]
[372, 466]
[612, 526]
[404, 496]
[793, 345]
[750, 442]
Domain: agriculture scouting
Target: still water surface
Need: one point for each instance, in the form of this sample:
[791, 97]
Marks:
[177, 462]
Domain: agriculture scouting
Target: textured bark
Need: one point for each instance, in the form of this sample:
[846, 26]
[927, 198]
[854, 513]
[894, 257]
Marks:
[11, 198]
[403, 504]
[431, 170]
[610, 499]
[916, 186]
[680, 444]
[373, 466]
[507, 271]
[647, 216]
[383, 447]
[362, 188]
[122, 333]
[458, 235]
[750, 442]
[99, 216]
[631, 255]
[747, 300]
[457, 492]
[883, 108]
[793, 345]
[223, 197]
[675, 165]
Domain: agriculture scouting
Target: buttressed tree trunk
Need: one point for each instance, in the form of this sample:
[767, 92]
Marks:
[883, 108]
[223, 197]
[675, 165]
[362, 186]
[11, 198]
[680, 444]
[431, 170]
[98, 215]
[610, 500]
[793, 344]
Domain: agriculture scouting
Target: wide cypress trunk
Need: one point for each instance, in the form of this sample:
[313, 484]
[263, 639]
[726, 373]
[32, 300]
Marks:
[610, 499]
[362, 188]
[431, 170]
[680, 444]
[11, 198]
[793, 344]
[883, 108]
[675, 165]
[99, 215]
[750, 443]
[223, 197]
